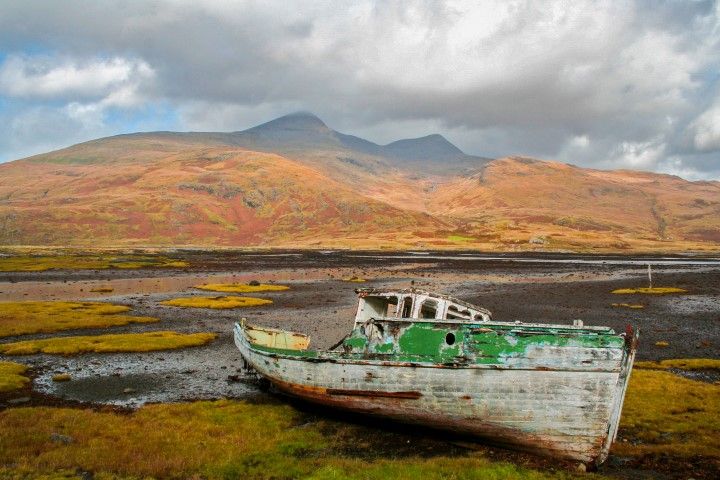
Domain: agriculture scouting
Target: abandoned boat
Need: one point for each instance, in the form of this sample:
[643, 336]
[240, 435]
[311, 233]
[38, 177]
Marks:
[431, 359]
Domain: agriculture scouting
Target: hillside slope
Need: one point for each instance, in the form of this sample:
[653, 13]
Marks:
[321, 188]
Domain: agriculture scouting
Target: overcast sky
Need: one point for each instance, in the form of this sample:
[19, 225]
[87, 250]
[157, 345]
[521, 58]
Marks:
[606, 85]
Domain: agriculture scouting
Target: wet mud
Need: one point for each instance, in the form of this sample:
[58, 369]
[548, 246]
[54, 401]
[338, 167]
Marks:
[549, 288]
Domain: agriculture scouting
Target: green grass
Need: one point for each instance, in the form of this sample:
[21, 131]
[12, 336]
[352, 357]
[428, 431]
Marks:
[11, 376]
[124, 342]
[216, 302]
[241, 287]
[22, 318]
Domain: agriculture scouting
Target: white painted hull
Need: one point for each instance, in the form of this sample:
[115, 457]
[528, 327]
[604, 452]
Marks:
[571, 414]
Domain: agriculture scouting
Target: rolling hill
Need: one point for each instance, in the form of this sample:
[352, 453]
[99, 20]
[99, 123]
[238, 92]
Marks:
[295, 182]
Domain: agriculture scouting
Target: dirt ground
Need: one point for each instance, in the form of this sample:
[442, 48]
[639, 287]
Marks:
[549, 288]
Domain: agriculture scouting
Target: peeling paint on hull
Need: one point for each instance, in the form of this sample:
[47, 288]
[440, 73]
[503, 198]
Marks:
[564, 412]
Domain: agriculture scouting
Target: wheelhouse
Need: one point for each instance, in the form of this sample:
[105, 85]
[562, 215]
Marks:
[416, 304]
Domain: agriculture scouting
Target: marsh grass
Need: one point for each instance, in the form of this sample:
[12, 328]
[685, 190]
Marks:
[22, 318]
[649, 290]
[216, 302]
[11, 376]
[666, 414]
[222, 439]
[681, 363]
[39, 263]
[125, 342]
[241, 287]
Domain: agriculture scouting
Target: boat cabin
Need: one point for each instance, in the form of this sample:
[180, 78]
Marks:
[416, 304]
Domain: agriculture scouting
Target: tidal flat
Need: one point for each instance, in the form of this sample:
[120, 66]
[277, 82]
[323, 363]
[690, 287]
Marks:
[192, 412]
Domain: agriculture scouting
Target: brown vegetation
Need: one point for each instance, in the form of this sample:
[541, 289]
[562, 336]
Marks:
[185, 191]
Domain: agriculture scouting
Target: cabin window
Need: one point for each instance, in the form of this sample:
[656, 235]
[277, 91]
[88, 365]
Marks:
[407, 307]
[454, 313]
[428, 309]
[481, 317]
[378, 307]
[392, 305]
[450, 338]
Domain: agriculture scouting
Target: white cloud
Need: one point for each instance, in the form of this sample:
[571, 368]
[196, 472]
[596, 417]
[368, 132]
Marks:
[706, 129]
[66, 100]
[48, 77]
[640, 155]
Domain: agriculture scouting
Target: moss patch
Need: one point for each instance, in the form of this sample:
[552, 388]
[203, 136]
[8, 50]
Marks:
[629, 305]
[668, 414]
[214, 440]
[11, 376]
[216, 302]
[460, 239]
[127, 342]
[241, 287]
[102, 290]
[354, 279]
[21, 318]
[649, 290]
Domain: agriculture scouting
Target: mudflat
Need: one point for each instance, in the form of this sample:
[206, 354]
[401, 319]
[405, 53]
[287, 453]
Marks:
[548, 288]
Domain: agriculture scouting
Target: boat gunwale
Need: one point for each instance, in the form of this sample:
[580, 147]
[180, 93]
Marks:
[328, 356]
[516, 324]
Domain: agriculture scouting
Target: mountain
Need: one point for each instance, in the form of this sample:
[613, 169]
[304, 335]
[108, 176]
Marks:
[295, 182]
[431, 148]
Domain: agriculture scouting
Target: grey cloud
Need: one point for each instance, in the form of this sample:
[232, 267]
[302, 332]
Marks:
[508, 77]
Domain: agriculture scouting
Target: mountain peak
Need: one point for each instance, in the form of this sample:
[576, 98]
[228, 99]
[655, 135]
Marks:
[298, 121]
[433, 146]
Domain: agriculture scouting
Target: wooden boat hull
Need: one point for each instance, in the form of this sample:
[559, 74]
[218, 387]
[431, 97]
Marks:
[565, 413]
